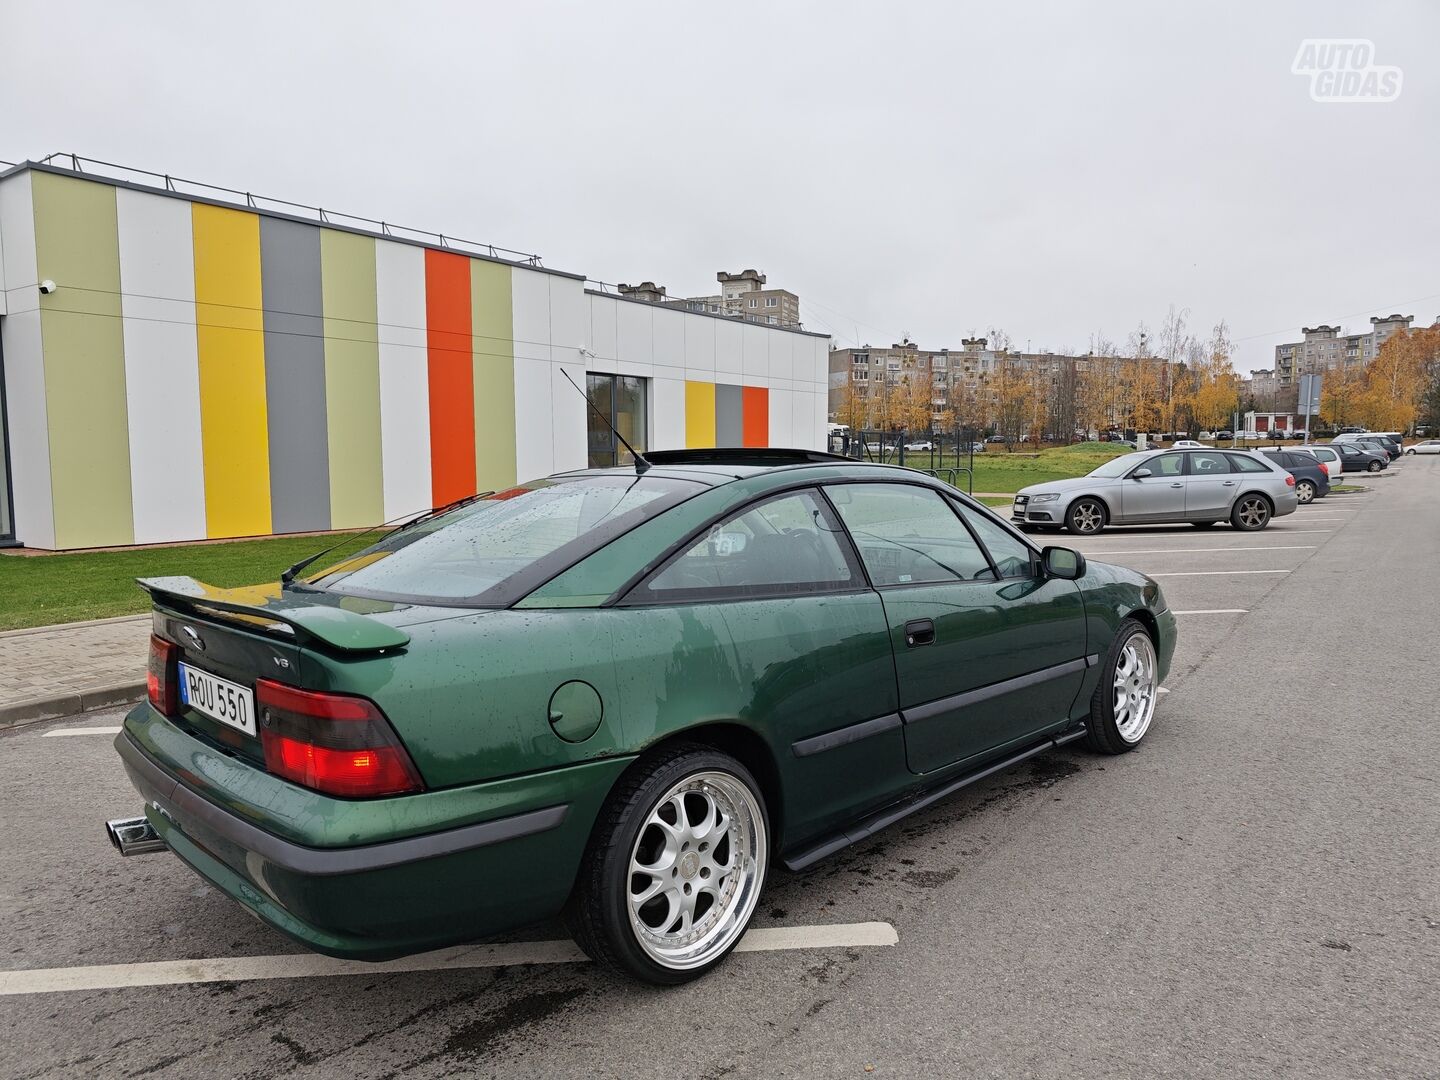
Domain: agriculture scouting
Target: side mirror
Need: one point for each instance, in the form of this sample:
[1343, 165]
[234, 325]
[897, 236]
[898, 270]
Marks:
[1140, 474]
[1067, 564]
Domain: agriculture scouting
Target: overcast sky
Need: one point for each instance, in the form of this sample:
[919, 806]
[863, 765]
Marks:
[1055, 170]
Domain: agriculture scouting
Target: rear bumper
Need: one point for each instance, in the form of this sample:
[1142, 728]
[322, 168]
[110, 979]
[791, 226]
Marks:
[1165, 647]
[357, 879]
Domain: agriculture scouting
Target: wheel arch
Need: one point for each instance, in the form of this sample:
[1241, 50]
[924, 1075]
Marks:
[746, 746]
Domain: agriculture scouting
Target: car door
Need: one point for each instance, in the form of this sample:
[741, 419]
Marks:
[1160, 496]
[1210, 486]
[985, 658]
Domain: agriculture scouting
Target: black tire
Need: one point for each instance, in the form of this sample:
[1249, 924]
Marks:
[1374, 466]
[1084, 512]
[1244, 516]
[1102, 733]
[1305, 491]
[1411, 452]
[598, 912]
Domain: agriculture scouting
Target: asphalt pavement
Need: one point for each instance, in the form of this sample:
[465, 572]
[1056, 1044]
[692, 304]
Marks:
[1253, 892]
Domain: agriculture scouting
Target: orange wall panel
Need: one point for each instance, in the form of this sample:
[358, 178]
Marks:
[452, 376]
[755, 409]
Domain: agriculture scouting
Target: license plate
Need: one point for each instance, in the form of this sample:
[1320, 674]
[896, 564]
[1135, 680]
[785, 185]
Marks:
[217, 698]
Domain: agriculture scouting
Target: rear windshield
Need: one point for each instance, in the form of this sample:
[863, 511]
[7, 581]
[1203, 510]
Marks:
[536, 530]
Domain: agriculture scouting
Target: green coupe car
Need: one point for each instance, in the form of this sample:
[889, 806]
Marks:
[619, 694]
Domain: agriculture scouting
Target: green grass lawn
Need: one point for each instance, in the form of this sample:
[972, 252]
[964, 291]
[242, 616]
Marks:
[999, 471]
[38, 590]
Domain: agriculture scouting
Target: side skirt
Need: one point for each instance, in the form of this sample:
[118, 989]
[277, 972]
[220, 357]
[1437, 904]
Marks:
[868, 826]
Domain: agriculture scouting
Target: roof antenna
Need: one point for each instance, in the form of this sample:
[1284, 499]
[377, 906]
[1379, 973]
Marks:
[640, 463]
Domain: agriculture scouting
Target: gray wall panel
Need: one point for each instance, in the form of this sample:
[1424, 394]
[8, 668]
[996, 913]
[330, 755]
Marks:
[295, 376]
[729, 415]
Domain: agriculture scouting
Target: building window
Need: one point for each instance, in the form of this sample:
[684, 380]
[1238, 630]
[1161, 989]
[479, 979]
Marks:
[621, 400]
[773, 321]
[771, 301]
[752, 303]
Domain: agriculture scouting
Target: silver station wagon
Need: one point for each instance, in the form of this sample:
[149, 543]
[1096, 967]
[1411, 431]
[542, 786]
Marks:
[1201, 487]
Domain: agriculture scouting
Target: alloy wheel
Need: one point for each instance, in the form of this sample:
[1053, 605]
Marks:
[1087, 516]
[1135, 689]
[696, 870]
[1305, 491]
[1253, 512]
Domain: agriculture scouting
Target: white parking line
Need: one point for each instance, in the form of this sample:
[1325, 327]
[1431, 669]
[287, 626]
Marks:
[311, 965]
[62, 732]
[1179, 551]
[1216, 573]
[1215, 611]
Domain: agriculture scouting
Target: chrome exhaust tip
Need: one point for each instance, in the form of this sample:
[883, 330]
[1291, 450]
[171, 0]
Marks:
[134, 836]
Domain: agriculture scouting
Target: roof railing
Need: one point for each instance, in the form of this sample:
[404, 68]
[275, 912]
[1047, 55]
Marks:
[182, 186]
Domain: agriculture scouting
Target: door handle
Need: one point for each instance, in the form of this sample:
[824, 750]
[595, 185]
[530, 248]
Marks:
[1229, 483]
[919, 632]
[1177, 485]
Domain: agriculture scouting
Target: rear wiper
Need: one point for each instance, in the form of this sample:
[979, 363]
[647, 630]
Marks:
[287, 576]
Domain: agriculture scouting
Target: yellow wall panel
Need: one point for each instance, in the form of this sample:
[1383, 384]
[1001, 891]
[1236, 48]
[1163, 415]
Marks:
[230, 333]
[699, 414]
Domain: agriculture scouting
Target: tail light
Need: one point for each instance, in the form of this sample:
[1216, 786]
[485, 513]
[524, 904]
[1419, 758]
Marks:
[335, 743]
[1289, 479]
[162, 677]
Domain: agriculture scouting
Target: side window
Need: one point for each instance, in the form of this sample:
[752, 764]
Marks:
[1245, 463]
[788, 545]
[1012, 556]
[1166, 465]
[1207, 464]
[908, 534]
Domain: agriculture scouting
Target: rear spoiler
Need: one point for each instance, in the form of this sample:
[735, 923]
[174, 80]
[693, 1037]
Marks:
[326, 624]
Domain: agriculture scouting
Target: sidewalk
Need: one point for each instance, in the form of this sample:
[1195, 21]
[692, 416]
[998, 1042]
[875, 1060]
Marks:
[49, 671]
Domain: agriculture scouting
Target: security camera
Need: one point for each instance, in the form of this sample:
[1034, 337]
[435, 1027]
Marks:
[47, 286]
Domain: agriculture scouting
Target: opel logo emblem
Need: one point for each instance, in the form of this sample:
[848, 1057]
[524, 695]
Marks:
[194, 636]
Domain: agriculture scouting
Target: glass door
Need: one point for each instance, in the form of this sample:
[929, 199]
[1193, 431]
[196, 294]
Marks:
[620, 399]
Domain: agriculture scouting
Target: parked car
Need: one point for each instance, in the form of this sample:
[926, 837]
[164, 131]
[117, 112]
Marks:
[1182, 444]
[1312, 481]
[923, 444]
[1389, 450]
[1205, 435]
[625, 694]
[1224, 435]
[996, 439]
[1429, 446]
[1356, 458]
[1249, 436]
[1329, 458]
[1197, 486]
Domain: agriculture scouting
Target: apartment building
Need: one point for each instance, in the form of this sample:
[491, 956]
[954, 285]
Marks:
[742, 296]
[1326, 348]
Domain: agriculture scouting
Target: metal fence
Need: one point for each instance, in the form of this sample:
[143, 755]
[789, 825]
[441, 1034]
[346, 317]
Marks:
[945, 455]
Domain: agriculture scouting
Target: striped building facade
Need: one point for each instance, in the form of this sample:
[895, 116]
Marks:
[203, 370]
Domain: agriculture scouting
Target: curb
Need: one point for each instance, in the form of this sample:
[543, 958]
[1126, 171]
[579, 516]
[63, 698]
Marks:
[53, 628]
[48, 708]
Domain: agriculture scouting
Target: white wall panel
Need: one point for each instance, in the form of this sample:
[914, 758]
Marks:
[570, 417]
[728, 347]
[569, 316]
[534, 419]
[821, 421]
[700, 344]
[755, 348]
[530, 309]
[25, 370]
[162, 366]
[782, 362]
[669, 337]
[602, 328]
[781, 418]
[634, 332]
[667, 414]
[404, 378]
[802, 408]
